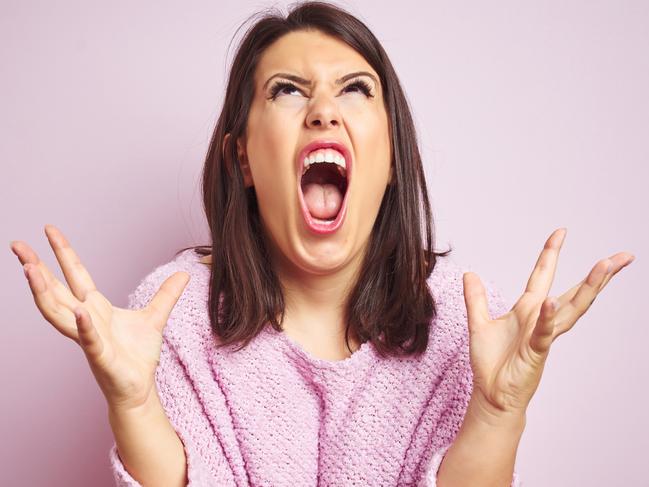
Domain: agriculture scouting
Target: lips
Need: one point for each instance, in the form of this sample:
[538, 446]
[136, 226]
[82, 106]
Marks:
[320, 227]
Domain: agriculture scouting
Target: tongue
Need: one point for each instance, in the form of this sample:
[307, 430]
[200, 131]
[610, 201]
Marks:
[322, 200]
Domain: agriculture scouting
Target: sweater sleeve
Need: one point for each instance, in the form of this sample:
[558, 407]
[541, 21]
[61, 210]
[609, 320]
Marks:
[182, 406]
[463, 376]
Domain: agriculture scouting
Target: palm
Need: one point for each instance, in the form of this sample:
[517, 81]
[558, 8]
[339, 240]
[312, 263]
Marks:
[122, 346]
[508, 353]
[131, 347]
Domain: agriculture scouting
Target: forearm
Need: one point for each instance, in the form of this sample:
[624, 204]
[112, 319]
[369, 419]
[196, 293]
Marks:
[148, 446]
[483, 453]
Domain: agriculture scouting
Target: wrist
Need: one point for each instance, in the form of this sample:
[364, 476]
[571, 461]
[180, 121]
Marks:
[150, 406]
[480, 411]
[484, 449]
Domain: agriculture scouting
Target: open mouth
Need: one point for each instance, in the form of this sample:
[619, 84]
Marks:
[323, 187]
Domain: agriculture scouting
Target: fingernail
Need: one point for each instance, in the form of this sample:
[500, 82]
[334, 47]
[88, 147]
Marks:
[555, 304]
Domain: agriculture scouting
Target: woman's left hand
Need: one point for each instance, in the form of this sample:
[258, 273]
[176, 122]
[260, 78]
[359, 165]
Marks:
[508, 353]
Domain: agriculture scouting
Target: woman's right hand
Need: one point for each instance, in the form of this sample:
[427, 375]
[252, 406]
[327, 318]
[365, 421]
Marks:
[122, 346]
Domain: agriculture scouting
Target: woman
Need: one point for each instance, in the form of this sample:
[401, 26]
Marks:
[319, 339]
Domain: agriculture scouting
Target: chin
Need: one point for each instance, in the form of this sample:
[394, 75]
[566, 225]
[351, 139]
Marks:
[324, 257]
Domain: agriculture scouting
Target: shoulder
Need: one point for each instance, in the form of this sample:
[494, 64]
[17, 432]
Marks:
[446, 286]
[446, 283]
[191, 308]
[449, 330]
[186, 261]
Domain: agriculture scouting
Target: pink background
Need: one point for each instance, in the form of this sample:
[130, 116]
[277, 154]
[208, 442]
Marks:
[531, 117]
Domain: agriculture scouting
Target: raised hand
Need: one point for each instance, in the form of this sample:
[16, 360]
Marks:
[122, 346]
[508, 353]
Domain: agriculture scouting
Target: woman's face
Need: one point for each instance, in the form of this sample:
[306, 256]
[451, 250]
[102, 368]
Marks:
[285, 118]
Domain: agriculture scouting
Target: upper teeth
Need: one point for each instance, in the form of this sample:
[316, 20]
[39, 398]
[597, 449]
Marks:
[325, 155]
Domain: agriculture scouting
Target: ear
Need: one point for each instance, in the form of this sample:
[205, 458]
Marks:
[243, 162]
[242, 159]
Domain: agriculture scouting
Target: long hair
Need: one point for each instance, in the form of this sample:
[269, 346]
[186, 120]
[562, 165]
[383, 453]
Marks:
[390, 304]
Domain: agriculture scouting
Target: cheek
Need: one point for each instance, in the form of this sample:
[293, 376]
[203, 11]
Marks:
[364, 123]
[270, 149]
[370, 136]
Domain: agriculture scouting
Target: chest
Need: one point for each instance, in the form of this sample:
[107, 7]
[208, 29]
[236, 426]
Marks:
[328, 427]
[328, 347]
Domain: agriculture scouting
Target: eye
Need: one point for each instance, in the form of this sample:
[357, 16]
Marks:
[282, 87]
[286, 87]
[359, 85]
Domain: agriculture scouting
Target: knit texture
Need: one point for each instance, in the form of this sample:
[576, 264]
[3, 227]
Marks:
[274, 415]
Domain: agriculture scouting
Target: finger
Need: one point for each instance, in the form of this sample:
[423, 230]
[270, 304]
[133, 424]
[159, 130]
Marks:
[59, 316]
[542, 275]
[475, 299]
[543, 333]
[76, 275]
[620, 260]
[89, 339]
[60, 291]
[166, 297]
[585, 295]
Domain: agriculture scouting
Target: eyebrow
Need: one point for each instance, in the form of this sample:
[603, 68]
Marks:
[305, 82]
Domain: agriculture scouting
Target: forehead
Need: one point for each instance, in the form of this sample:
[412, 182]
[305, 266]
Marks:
[310, 53]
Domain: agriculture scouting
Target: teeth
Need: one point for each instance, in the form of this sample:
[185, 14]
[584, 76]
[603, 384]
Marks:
[326, 155]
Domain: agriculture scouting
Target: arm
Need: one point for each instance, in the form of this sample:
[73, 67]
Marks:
[200, 460]
[481, 454]
[173, 433]
[148, 446]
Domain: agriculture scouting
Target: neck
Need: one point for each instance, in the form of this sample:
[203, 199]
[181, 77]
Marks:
[315, 303]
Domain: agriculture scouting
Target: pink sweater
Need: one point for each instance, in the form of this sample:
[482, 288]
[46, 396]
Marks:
[273, 415]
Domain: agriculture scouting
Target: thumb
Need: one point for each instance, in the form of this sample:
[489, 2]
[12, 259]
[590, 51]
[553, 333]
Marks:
[167, 296]
[475, 299]
[543, 333]
[89, 339]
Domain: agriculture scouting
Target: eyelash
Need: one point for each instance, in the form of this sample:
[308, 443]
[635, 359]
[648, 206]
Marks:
[361, 84]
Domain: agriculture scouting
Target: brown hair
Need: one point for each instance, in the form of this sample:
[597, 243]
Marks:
[390, 304]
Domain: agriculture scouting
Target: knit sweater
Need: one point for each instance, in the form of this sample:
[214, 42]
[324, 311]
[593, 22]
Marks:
[272, 414]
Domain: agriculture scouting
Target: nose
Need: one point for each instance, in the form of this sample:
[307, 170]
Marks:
[323, 113]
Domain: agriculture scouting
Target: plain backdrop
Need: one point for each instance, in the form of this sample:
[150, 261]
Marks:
[531, 116]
